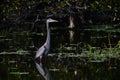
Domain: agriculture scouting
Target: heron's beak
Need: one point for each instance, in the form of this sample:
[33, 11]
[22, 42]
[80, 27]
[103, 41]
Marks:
[55, 21]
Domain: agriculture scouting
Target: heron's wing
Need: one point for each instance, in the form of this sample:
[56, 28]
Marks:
[40, 52]
[46, 50]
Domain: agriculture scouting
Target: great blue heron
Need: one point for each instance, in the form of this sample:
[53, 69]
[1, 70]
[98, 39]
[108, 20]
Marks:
[43, 51]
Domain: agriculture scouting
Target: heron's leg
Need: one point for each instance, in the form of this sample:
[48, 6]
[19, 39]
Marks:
[40, 59]
[44, 59]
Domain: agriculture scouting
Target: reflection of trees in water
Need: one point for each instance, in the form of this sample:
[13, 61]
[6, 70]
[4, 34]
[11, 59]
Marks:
[71, 26]
[71, 32]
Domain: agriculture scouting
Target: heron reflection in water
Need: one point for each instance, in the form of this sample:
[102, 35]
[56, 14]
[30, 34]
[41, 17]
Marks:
[43, 51]
[43, 70]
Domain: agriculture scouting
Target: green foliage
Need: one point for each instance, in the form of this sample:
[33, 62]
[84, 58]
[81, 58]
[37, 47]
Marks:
[14, 9]
[118, 44]
[90, 48]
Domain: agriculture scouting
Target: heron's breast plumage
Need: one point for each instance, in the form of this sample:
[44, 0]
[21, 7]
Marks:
[40, 52]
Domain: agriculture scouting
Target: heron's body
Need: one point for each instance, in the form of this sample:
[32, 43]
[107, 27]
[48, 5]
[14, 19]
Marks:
[43, 51]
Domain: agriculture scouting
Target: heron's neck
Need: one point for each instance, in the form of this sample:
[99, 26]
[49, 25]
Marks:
[48, 33]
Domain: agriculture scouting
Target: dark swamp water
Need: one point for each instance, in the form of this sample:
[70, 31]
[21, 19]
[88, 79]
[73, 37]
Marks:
[64, 61]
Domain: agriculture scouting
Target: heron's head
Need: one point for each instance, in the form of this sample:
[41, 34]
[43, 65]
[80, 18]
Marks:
[51, 20]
